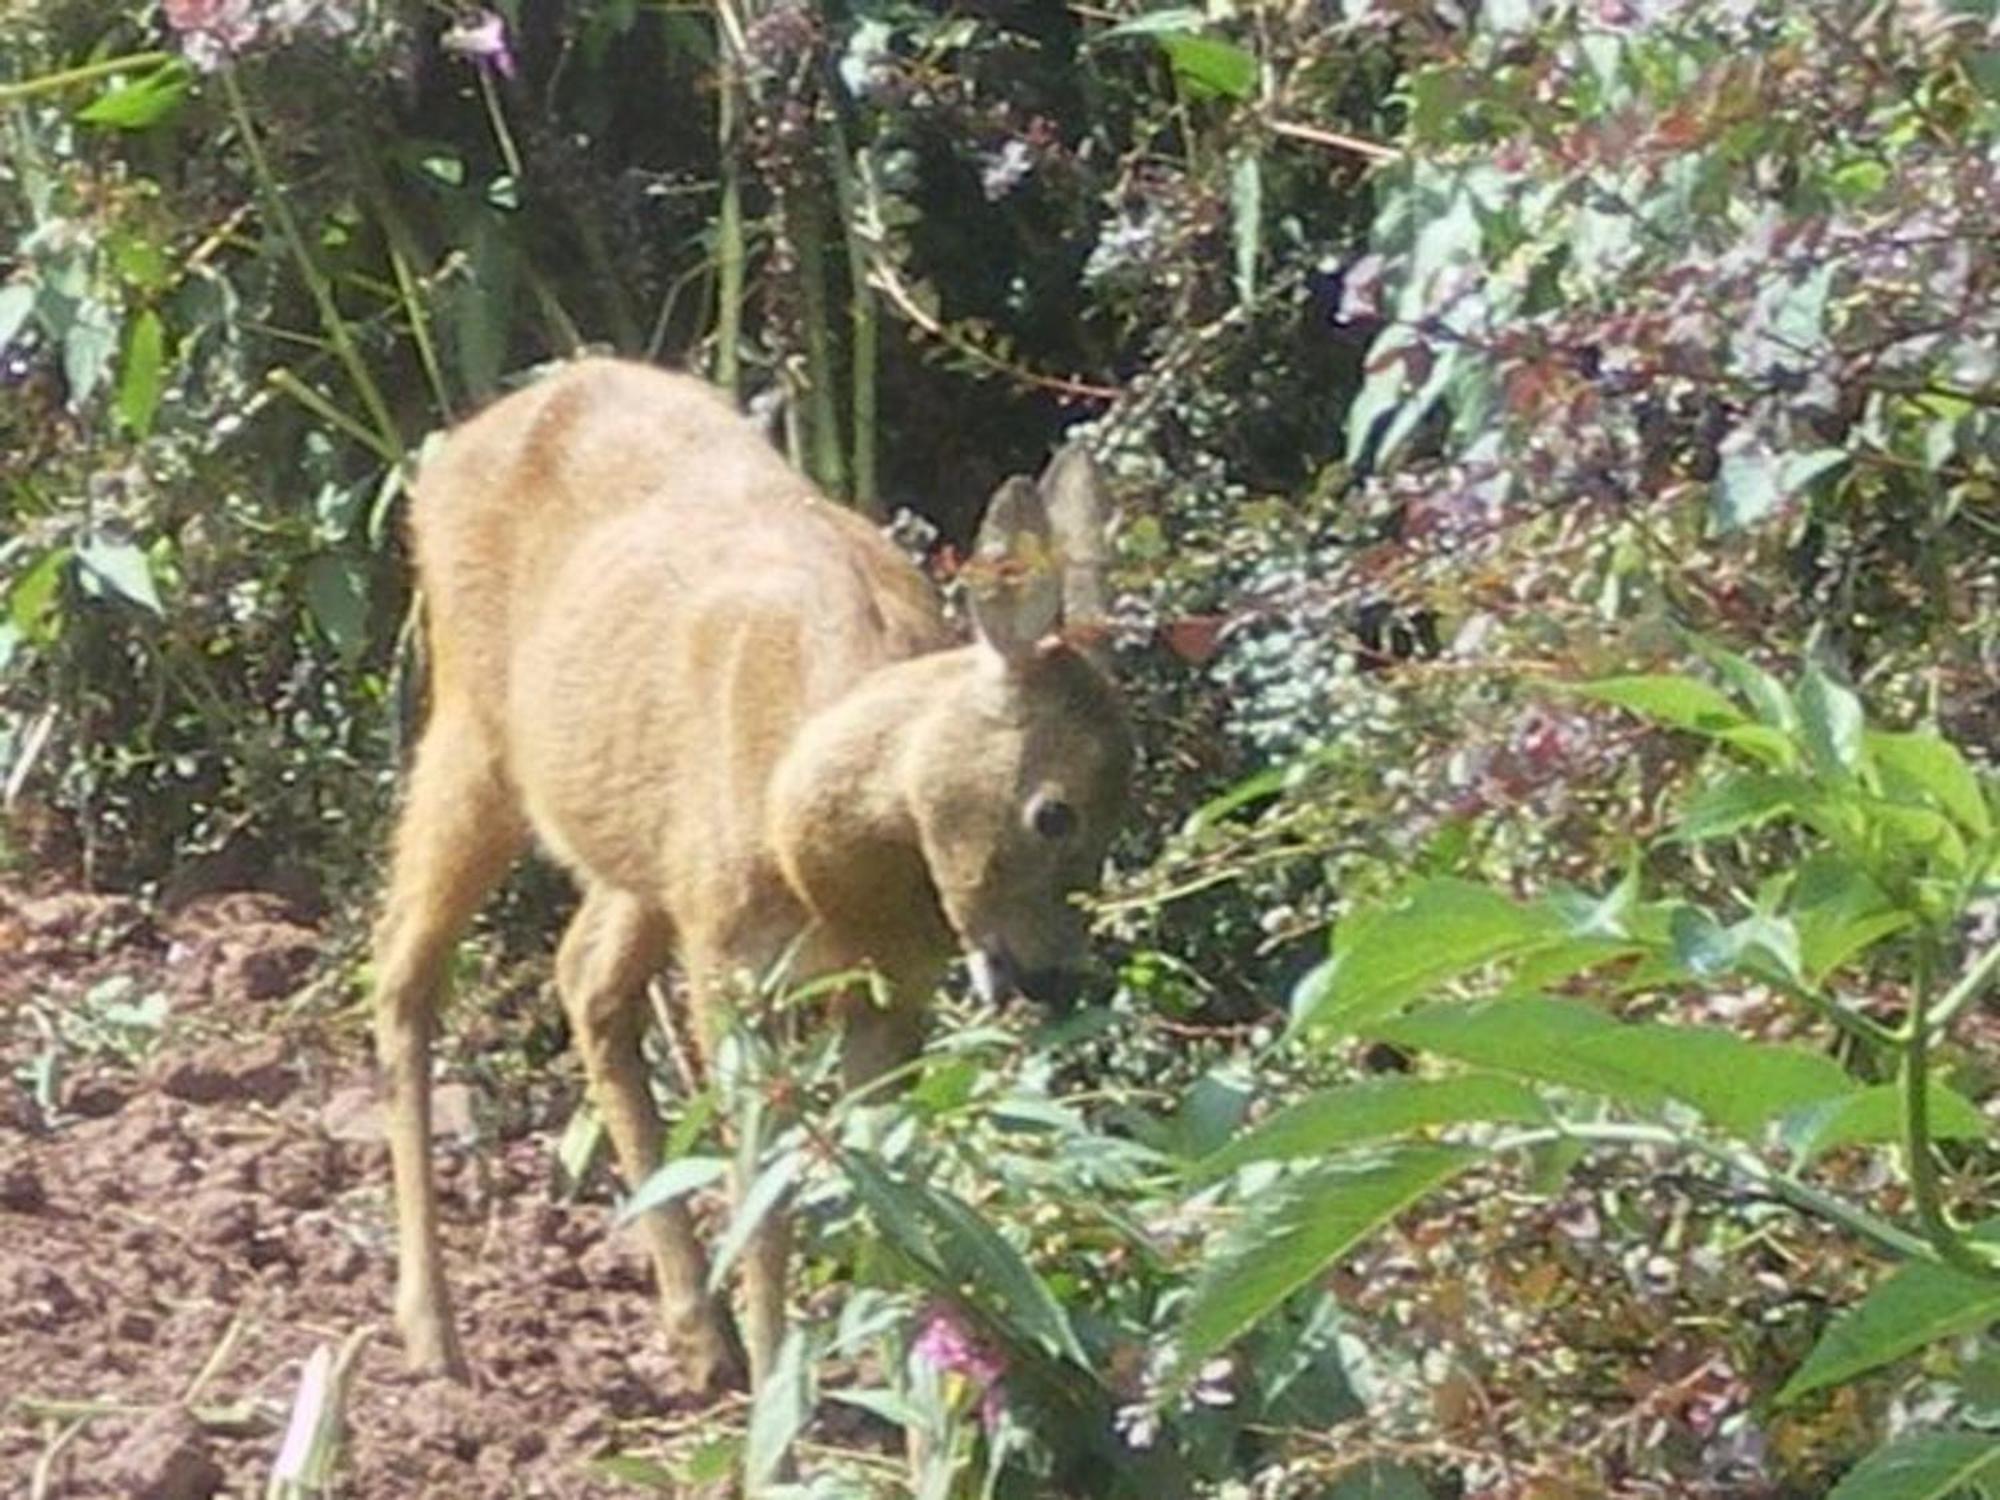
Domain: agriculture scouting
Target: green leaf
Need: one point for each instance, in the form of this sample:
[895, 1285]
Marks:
[89, 339]
[144, 371]
[1678, 702]
[1442, 929]
[1293, 1231]
[1689, 704]
[1876, 1114]
[1371, 1110]
[1931, 1466]
[1744, 799]
[17, 300]
[671, 1183]
[752, 1209]
[1172, 20]
[961, 1254]
[1246, 211]
[142, 103]
[1837, 911]
[336, 590]
[1917, 1305]
[1748, 488]
[783, 1403]
[1209, 67]
[1737, 1083]
[122, 568]
[31, 602]
[1764, 693]
[1527, 1035]
[1830, 722]
[1922, 765]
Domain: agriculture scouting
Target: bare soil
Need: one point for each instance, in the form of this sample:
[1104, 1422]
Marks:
[189, 1207]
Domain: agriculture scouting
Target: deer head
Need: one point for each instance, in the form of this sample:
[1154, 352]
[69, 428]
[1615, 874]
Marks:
[984, 782]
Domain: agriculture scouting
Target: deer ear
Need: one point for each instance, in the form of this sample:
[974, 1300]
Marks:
[1012, 582]
[1072, 494]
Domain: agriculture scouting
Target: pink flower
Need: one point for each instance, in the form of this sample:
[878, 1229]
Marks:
[480, 37]
[946, 1344]
[212, 31]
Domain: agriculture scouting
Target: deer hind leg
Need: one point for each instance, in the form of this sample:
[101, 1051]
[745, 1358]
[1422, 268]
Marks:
[614, 945]
[459, 831]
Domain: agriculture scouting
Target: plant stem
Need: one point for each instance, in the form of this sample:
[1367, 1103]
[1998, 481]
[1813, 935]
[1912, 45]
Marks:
[806, 224]
[1951, 1246]
[285, 381]
[1966, 990]
[390, 442]
[50, 83]
[729, 253]
[1745, 1164]
[863, 352]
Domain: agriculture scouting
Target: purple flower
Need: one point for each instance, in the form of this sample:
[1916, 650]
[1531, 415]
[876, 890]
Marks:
[480, 37]
[946, 1344]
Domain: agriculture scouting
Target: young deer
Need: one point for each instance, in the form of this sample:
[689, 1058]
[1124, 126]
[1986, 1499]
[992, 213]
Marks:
[732, 709]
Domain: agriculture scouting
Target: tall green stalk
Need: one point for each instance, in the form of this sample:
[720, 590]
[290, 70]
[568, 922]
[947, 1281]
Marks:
[865, 337]
[338, 333]
[1926, 1194]
[805, 224]
[729, 253]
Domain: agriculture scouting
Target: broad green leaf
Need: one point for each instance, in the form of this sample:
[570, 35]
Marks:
[671, 1183]
[1916, 1305]
[336, 589]
[1830, 722]
[89, 339]
[1679, 702]
[31, 602]
[123, 568]
[1905, 828]
[1876, 1114]
[1932, 768]
[963, 1255]
[1838, 911]
[783, 1403]
[1741, 800]
[1293, 1231]
[753, 1207]
[17, 300]
[1737, 1083]
[1246, 211]
[1930, 1466]
[1171, 20]
[1686, 703]
[1526, 1035]
[142, 103]
[1442, 929]
[1748, 488]
[1765, 694]
[1372, 1110]
[144, 371]
[1209, 67]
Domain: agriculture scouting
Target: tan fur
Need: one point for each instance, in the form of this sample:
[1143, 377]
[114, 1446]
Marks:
[734, 712]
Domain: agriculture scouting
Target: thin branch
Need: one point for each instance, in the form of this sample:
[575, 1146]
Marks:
[1333, 140]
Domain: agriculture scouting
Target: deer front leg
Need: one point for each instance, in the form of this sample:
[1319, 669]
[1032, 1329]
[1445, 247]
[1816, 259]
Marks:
[614, 945]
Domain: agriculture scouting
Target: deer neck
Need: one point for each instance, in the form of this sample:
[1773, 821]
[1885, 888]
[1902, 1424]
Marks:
[842, 826]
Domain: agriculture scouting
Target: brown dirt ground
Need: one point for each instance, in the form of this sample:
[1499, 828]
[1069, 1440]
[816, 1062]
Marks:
[234, 1178]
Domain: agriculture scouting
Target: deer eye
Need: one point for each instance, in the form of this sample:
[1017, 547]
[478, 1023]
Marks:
[1052, 818]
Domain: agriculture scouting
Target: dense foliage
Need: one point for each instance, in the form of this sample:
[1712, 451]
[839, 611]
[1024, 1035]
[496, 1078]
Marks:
[1557, 445]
